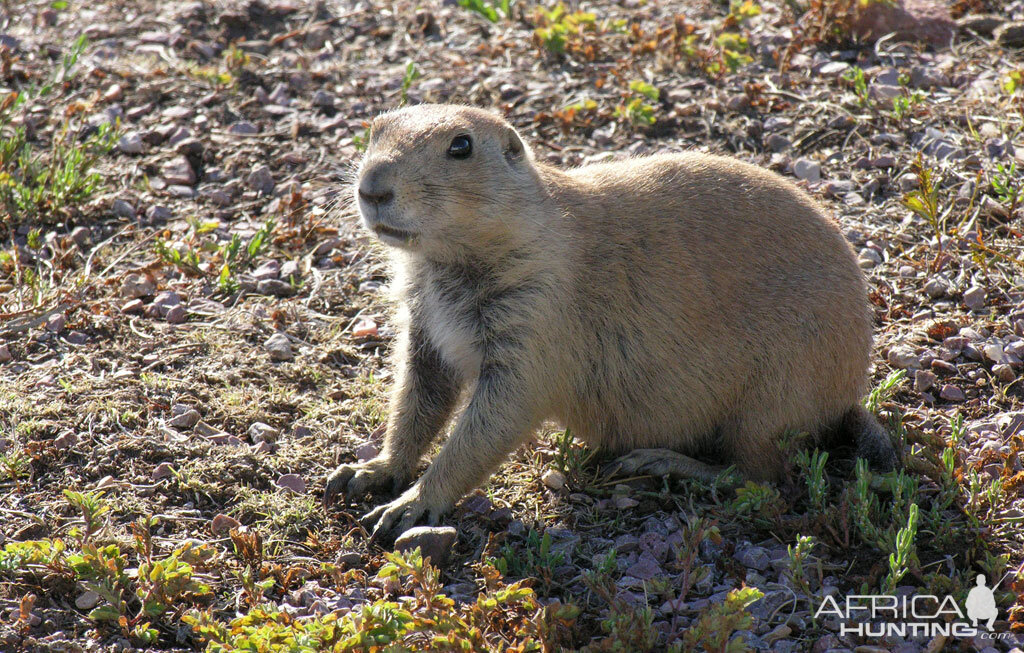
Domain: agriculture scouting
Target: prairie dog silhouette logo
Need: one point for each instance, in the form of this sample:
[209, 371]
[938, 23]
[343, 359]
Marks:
[981, 604]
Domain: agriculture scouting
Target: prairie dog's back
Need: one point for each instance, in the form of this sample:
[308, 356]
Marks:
[699, 276]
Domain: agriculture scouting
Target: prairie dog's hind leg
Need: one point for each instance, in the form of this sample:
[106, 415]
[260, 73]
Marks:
[664, 462]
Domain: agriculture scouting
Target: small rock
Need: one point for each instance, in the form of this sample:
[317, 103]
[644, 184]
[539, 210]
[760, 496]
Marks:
[87, 600]
[1009, 35]
[55, 323]
[366, 451]
[291, 482]
[243, 128]
[268, 270]
[322, 98]
[974, 298]
[365, 328]
[807, 170]
[178, 172]
[645, 568]
[175, 314]
[1004, 373]
[908, 20]
[871, 256]
[134, 306]
[158, 215]
[950, 392]
[935, 288]
[66, 440]
[924, 380]
[554, 479]
[290, 271]
[76, 338]
[625, 503]
[779, 632]
[279, 348]
[137, 285]
[435, 542]
[981, 24]
[5, 353]
[185, 420]
[260, 432]
[81, 236]
[904, 357]
[754, 557]
[778, 143]
[275, 287]
[838, 188]
[261, 180]
[163, 470]
[222, 523]
[123, 209]
[349, 559]
[131, 143]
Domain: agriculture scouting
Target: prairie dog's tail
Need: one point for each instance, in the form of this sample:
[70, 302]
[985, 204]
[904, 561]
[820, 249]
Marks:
[873, 443]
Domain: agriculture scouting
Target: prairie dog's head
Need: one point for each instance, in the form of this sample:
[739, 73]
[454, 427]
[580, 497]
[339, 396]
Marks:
[437, 178]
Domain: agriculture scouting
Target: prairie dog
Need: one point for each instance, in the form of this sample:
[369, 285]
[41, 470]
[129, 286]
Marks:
[669, 304]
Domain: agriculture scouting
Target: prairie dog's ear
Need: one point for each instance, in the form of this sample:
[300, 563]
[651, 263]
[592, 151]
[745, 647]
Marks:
[513, 146]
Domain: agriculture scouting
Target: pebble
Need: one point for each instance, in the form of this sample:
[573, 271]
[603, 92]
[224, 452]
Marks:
[754, 557]
[870, 257]
[807, 170]
[186, 420]
[349, 559]
[175, 314]
[260, 432]
[838, 188]
[178, 172]
[275, 287]
[222, 523]
[158, 214]
[291, 482]
[903, 357]
[163, 470]
[366, 451]
[778, 143]
[5, 353]
[243, 128]
[1004, 373]
[554, 479]
[261, 180]
[123, 209]
[952, 393]
[81, 236]
[137, 285]
[268, 270]
[279, 348]
[935, 288]
[76, 338]
[974, 298]
[133, 306]
[1009, 35]
[365, 328]
[87, 600]
[322, 98]
[131, 143]
[55, 323]
[435, 542]
[924, 380]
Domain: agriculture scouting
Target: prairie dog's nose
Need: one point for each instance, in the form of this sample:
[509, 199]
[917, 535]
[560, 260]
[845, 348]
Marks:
[374, 190]
[376, 197]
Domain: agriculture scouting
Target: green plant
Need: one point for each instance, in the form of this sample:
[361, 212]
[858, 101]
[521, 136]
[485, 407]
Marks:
[713, 630]
[227, 259]
[812, 466]
[15, 464]
[855, 76]
[92, 506]
[492, 11]
[798, 555]
[904, 552]
[759, 501]
[924, 202]
[535, 559]
[412, 73]
[884, 390]
[1007, 186]
[903, 105]
[559, 31]
[635, 109]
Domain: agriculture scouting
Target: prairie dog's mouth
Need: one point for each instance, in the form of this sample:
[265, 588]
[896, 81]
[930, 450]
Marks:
[392, 235]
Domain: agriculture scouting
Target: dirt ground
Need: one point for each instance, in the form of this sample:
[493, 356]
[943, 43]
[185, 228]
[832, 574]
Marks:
[159, 370]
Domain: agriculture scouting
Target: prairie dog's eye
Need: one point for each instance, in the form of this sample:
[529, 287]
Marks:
[461, 147]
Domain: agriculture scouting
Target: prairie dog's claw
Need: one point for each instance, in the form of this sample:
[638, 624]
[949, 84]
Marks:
[356, 479]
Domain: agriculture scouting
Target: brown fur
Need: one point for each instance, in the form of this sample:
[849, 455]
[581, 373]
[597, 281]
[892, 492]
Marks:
[686, 302]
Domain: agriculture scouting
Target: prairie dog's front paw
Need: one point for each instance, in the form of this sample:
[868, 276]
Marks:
[356, 479]
[402, 514]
